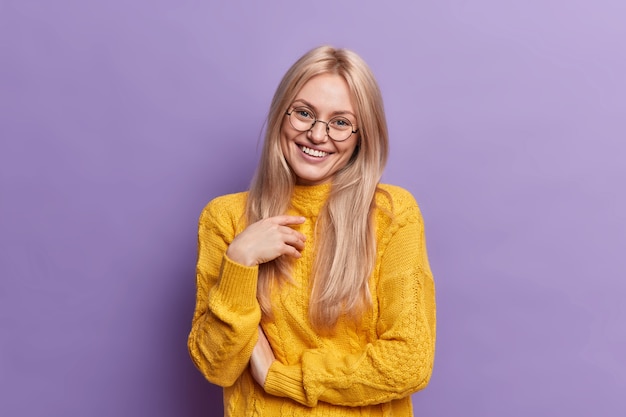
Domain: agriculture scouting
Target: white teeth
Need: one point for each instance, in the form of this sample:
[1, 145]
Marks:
[313, 152]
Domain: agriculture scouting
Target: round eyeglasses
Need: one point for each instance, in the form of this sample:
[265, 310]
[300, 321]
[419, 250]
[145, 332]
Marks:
[338, 128]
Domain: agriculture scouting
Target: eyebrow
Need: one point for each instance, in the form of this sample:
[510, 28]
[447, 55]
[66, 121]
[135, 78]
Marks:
[335, 113]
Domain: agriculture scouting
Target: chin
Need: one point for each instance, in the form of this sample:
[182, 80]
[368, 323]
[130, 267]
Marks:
[311, 179]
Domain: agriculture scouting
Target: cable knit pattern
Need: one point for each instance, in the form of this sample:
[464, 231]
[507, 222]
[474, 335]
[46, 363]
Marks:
[368, 368]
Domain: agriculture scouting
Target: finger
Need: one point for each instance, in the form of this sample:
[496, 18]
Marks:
[291, 251]
[294, 240]
[285, 220]
[288, 250]
[289, 233]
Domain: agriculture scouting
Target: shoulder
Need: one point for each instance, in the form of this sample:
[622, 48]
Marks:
[228, 208]
[395, 199]
[395, 208]
[228, 201]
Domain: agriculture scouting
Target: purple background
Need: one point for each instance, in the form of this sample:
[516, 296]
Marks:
[119, 120]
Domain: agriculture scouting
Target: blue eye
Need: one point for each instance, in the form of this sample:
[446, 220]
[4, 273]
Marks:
[340, 123]
[303, 114]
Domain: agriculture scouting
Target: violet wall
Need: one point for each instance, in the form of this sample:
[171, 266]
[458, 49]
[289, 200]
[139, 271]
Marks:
[119, 120]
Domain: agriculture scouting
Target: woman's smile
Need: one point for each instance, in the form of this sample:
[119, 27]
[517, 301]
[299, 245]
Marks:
[312, 155]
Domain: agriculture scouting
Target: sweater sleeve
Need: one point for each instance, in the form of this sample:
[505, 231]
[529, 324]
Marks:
[226, 316]
[400, 361]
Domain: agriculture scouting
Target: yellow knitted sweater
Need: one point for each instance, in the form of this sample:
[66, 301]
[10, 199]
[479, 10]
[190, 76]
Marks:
[368, 368]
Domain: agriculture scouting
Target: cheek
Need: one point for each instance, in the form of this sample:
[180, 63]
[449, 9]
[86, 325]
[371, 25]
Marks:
[283, 135]
[285, 141]
[286, 135]
[349, 154]
[287, 149]
[351, 150]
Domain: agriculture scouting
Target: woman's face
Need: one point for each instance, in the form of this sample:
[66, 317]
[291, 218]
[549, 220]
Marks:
[312, 155]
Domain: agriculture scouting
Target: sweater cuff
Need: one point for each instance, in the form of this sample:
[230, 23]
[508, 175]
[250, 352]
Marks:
[286, 381]
[238, 283]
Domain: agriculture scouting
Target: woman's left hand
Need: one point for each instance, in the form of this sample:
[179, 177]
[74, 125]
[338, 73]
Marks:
[261, 359]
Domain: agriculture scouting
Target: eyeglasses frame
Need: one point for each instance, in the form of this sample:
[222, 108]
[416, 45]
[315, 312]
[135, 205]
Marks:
[288, 113]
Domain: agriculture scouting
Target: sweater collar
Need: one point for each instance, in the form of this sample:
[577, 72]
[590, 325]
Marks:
[309, 199]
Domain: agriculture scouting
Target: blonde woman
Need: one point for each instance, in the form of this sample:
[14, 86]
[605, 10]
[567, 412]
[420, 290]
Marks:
[314, 293]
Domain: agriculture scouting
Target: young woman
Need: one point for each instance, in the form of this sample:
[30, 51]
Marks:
[315, 296]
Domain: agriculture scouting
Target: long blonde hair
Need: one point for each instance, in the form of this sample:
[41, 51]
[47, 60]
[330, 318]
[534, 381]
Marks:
[345, 260]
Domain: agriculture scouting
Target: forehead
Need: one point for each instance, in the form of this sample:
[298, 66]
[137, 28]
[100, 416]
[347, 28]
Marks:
[327, 93]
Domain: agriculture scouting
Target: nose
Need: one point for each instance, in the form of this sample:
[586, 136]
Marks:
[317, 133]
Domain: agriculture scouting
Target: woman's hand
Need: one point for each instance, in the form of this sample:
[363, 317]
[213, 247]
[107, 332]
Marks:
[261, 359]
[266, 240]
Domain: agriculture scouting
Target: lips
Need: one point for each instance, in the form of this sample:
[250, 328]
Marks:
[313, 152]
